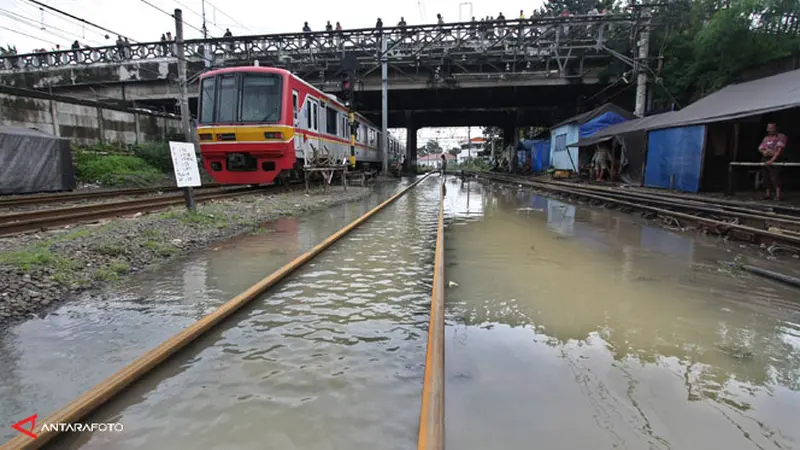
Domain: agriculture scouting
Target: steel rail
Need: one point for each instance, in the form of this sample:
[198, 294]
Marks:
[77, 196]
[704, 205]
[720, 225]
[733, 205]
[431, 418]
[113, 385]
[42, 219]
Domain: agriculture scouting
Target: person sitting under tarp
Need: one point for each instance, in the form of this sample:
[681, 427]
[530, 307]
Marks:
[601, 162]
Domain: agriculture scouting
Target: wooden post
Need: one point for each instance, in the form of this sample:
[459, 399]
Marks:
[736, 127]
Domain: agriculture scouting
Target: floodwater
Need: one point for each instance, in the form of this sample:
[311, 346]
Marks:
[577, 328]
[567, 327]
[45, 363]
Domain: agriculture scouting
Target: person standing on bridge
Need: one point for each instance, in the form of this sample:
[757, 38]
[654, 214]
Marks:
[771, 148]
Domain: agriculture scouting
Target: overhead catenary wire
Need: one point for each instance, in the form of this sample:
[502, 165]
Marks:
[227, 15]
[170, 14]
[82, 29]
[79, 19]
[32, 22]
[27, 35]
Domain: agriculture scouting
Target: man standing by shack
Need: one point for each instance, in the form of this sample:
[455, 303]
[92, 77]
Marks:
[771, 148]
[444, 163]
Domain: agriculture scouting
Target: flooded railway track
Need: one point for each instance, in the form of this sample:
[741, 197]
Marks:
[21, 222]
[431, 422]
[739, 222]
[46, 199]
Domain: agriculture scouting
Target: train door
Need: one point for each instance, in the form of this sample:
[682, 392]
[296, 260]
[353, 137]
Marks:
[296, 109]
[315, 141]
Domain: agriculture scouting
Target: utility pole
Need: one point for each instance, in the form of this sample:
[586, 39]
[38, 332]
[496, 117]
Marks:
[641, 66]
[188, 192]
[205, 30]
[385, 104]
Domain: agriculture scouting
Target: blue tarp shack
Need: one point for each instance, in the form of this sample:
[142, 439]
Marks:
[581, 126]
[627, 141]
[677, 142]
[538, 152]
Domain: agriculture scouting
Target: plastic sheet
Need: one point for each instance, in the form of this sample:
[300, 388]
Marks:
[32, 161]
[678, 153]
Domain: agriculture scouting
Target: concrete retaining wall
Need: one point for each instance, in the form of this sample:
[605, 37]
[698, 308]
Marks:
[85, 125]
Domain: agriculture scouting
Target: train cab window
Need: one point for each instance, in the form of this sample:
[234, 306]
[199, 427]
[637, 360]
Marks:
[207, 100]
[331, 122]
[226, 99]
[261, 98]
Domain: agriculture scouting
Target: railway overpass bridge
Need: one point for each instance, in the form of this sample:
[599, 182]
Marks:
[511, 73]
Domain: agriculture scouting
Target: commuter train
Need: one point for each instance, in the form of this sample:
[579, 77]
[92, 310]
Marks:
[256, 123]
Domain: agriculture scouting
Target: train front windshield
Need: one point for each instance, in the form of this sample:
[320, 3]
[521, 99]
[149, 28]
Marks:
[241, 98]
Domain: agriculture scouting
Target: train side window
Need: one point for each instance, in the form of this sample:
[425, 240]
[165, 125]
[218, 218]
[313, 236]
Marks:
[295, 98]
[314, 112]
[332, 123]
[308, 114]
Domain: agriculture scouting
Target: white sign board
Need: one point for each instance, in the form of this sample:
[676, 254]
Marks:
[185, 164]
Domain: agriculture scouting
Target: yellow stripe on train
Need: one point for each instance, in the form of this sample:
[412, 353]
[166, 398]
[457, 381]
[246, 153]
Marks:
[269, 133]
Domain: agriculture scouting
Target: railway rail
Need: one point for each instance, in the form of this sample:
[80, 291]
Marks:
[50, 218]
[738, 220]
[30, 200]
[431, 430]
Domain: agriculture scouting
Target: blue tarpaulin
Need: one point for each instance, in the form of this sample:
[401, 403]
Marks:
[675, 152]
[600, 122]
[538, 151]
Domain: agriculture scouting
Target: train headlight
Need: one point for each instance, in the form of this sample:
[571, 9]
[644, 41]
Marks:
[273, 135]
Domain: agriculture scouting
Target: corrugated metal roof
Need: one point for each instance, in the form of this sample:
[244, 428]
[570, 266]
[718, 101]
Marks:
[736, 101]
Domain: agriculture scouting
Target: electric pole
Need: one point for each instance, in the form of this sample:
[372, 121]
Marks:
[205, 30]
[641, 66]
[184, 95]
[385, 104]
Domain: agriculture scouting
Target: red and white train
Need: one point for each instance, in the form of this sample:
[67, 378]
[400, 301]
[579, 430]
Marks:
[256, 123]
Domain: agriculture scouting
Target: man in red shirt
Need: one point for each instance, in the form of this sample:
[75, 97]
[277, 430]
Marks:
[771, 148]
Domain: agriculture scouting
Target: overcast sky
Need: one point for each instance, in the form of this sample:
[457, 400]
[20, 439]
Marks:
[25, 25]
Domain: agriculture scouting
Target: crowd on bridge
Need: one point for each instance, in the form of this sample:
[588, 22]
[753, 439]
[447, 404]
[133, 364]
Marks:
[489, 27]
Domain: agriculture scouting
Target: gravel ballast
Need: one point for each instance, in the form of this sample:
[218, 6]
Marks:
[39, 271]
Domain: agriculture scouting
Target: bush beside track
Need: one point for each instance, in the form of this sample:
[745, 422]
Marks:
[118, 166]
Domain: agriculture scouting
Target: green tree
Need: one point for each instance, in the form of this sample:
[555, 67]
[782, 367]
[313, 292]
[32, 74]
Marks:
[454, 151]
[430, 147]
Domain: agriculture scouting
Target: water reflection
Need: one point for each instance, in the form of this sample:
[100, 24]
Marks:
[47, 362]
[581, 328]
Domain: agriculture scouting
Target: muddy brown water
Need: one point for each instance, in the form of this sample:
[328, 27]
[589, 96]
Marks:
[567, 327]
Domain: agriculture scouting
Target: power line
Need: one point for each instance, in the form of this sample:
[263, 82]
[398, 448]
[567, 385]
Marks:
[169, 14]
[226, 15]
[36, 2]
[28, 35]
[66, 20]
[32, 22]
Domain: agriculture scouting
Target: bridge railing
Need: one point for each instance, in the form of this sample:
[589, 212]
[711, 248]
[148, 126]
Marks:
[467, 37]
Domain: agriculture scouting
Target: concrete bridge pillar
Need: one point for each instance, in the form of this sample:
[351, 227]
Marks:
[410, 163]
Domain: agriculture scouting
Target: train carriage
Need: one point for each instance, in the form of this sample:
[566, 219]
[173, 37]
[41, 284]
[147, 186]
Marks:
[256, 123]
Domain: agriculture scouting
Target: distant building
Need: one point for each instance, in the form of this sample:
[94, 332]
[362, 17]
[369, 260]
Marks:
[433, 160]
[470, 149]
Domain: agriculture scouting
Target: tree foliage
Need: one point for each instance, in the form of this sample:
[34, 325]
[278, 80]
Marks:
[699, 46]
[431, 147]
